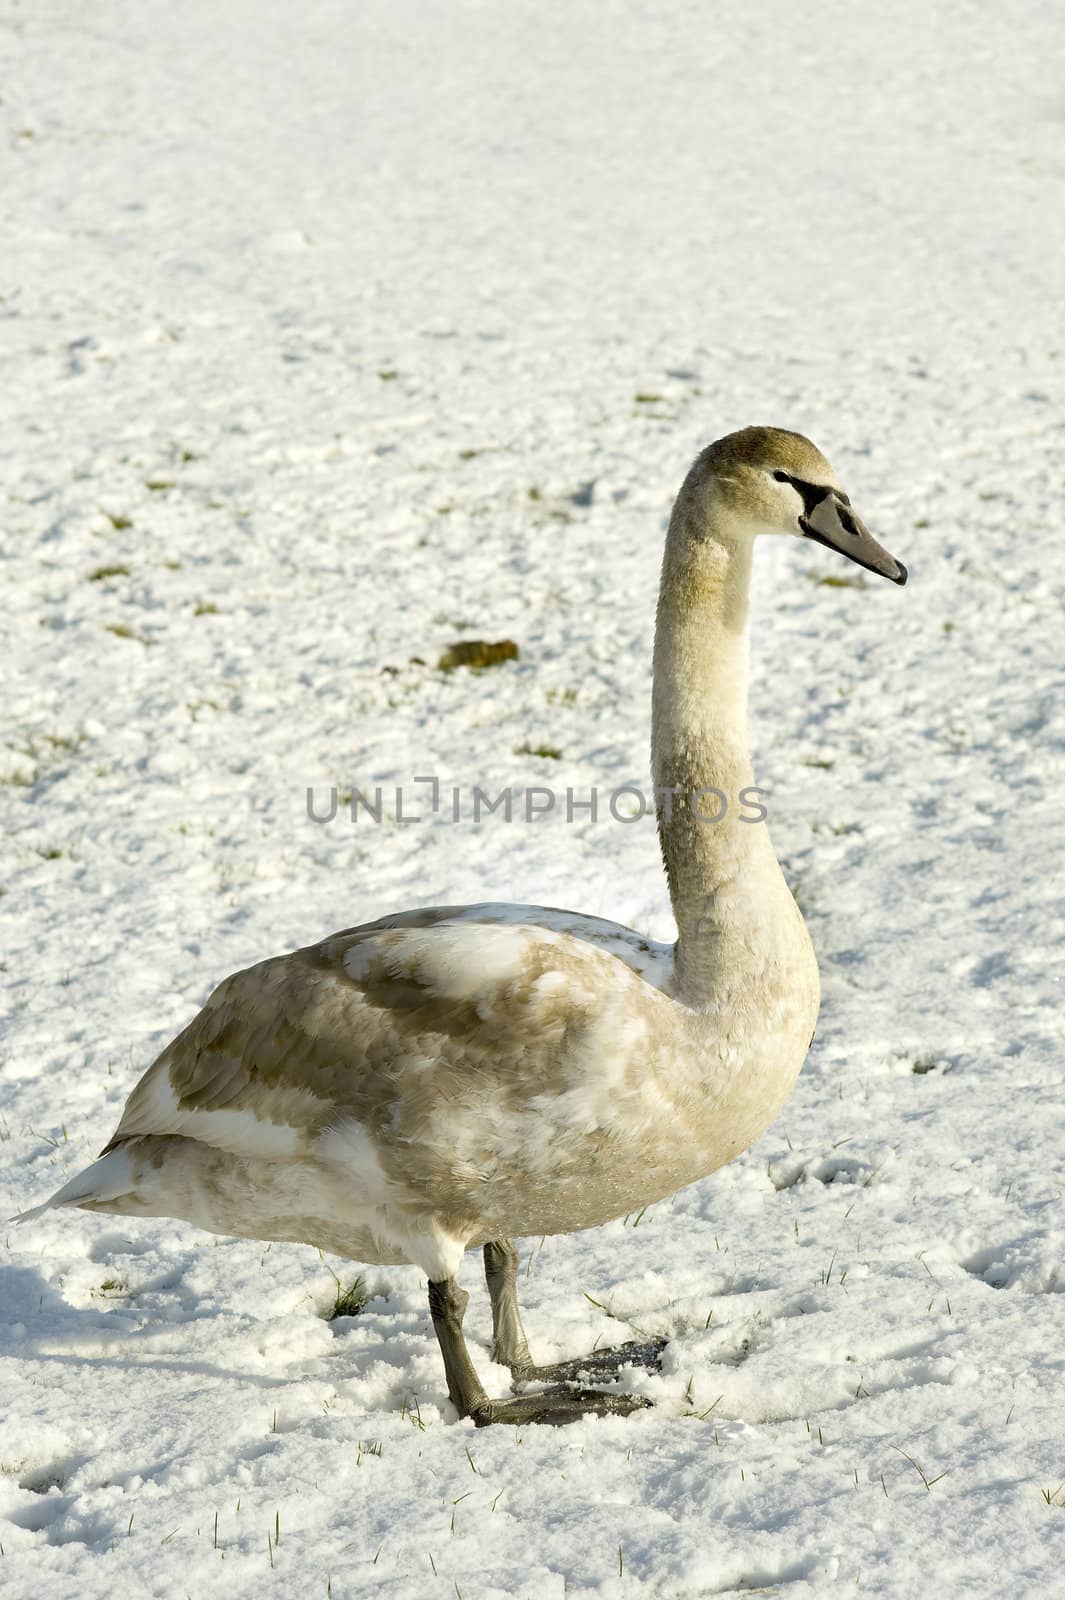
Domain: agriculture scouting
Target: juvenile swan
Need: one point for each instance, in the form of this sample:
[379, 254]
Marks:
[465, 1075]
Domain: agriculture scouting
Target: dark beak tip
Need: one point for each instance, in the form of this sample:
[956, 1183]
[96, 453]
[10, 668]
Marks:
[903, 574]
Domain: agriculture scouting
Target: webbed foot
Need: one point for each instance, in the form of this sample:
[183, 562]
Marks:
[556, 1407]
[598, 1365]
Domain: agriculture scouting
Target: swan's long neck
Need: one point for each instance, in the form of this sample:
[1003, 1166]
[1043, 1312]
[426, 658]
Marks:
[724, 880]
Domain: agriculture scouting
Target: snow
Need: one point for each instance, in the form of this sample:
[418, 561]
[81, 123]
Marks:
[333, 333]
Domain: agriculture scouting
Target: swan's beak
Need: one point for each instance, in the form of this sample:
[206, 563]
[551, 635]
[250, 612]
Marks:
[834, 524]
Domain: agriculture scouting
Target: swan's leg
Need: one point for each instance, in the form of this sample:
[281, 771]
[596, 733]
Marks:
[511, 1348]
[447, 1305]
[509, 1344]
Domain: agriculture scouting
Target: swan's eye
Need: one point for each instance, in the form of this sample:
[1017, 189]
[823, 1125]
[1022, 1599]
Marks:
[782, 477]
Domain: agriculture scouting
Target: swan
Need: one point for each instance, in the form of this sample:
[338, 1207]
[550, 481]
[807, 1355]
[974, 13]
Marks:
[462, 1076]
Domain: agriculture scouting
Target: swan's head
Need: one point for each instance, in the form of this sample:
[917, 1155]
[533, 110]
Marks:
[768, 480]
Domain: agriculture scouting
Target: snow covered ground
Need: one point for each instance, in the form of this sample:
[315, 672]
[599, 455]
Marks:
[332, 334]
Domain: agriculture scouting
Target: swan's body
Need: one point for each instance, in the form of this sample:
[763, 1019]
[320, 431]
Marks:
[403, 1091]
[458, 1076]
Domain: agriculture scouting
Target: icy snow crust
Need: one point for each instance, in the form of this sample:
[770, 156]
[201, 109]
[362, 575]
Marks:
[334, 334]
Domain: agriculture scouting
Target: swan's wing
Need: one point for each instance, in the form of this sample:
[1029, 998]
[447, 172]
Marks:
[377, 1025]
[649, 959]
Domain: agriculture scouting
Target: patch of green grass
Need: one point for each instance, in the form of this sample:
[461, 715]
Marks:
[350, 1301]
[388, 375]
[117, 570]
[206, 608]
[42, 749]
[121, 631]
[818, 761]
[925, 1479]
[117, 521]
[62, 741]
[549, 752]
[160, 485]
[194, 707]
[444, 619]
[564, 697]
[648, 399]
[51, 853]
[478, 654]
[468, 455]
[834, 580]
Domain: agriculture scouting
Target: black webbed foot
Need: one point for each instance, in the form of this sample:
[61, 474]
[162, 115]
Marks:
[556, 1407]
[598, 1365]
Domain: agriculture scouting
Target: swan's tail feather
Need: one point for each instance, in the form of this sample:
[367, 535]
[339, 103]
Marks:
[106, 1180]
